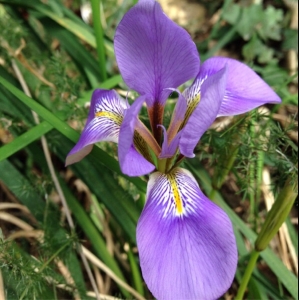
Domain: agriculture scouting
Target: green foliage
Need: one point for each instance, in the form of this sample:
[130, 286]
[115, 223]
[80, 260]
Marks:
[60, 65]
[257, 26]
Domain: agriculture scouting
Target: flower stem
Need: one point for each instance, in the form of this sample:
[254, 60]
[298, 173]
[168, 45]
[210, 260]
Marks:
[53, 257]
[247, 275]
[162, 163]
[96, 17]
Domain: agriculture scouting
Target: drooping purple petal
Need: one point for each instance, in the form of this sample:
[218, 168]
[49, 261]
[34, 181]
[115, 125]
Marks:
[132, 163]
[204, 114]
[103, 123]
[245, 90]
[186, 243]
[153, 53]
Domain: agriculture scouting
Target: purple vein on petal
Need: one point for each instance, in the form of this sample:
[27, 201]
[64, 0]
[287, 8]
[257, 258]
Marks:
[245, 90]
[103, 123]
[177, 117]
[132, 163]
[153, 53]
[169, 148]
[186, 243]
[204, 114]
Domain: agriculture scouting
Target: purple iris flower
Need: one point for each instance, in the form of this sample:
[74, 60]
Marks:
[186, 243]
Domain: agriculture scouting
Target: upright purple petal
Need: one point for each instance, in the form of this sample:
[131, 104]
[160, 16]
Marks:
[186, 243]
[177, 117]
[212, 92]
[153, 53]
[132, 163]
[245, 90]
[169, 148]
[103, 123]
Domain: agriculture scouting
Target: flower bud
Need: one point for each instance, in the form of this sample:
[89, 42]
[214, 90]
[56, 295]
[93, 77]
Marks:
[277, 214]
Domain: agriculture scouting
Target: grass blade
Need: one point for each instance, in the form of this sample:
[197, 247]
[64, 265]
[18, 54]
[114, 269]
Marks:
[24, 140]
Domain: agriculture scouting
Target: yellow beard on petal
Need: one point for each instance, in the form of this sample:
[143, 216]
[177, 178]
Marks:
[191, 105]
[176, 194]
[110, 115]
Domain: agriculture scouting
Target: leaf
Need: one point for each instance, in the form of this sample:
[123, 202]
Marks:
[22, 189]
[24, 140]
[271, 24]
[84, 60]
[290, 39]
[231, 14]
[69, 132]
[251, 17]
[80, 30]
[105, 187]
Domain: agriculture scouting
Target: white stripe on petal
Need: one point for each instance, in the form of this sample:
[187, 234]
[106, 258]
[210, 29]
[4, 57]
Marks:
[173, 193]
[114, 105]
[106, 114]
[189, 256]
[193, 91]
[192, 95]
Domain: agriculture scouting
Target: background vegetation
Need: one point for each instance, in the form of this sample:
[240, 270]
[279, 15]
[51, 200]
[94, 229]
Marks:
[69, 233]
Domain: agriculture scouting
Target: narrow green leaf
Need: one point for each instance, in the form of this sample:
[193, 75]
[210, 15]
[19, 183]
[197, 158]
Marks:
[97, 25]
[24, 140]
[78, 29]
[22, 189]
[105, 187]
[83, 59]
[69, 132]
[293, 234]
[137, 278]
[107, 84]
[97, 241]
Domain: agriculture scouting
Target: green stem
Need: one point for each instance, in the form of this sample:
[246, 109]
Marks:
[137, 279]
[222, 172]
[247, 275]
[96, 17]
[53, 257]
[252, 163]
[162, 165]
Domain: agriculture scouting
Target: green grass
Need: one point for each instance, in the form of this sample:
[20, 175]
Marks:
[62, 61]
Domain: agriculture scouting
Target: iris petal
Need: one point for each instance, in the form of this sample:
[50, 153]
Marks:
[153, 53]
[169, 149]
[245, 90]
[177, 117]
[103, 123]
[132, 163]
[186, 243]
[204, 114]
